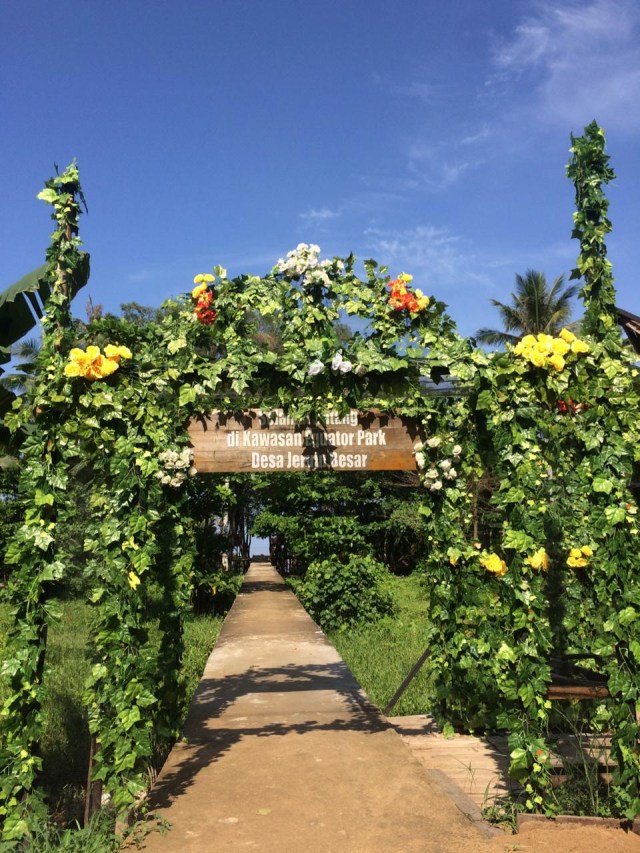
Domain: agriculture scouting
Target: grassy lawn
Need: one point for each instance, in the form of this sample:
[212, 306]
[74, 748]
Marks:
[380, 655]
[65, 744]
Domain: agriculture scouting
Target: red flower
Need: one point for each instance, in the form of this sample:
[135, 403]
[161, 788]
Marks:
[570, 406]
[204, 313]
[401, 298]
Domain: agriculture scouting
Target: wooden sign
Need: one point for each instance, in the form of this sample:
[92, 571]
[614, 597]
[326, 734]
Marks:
[271, 441]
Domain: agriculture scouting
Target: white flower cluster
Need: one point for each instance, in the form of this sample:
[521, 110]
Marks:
[304, 261]
[339, 364]
[176, 467]
[437, 471]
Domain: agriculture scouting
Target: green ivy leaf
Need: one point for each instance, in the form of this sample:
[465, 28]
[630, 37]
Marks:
[520, 762]
[602, 485]
[627, 616]
[615, 514]
[187, 395]
[48, 195]
[42, 538]
[518, 540]
[43, 498]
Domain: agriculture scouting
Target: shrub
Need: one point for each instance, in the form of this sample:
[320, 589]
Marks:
[342, 594]
[214, 592]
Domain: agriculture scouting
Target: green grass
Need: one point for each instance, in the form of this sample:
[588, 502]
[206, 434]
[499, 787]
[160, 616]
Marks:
[65, 742]
[381, 654]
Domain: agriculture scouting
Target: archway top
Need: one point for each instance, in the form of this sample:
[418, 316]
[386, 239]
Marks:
[278, 341]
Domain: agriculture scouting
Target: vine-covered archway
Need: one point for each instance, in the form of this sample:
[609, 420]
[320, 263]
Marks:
[552, 423]
[116, 400]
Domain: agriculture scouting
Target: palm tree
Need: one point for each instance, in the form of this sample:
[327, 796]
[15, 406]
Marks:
[535, 308]
[27, 351]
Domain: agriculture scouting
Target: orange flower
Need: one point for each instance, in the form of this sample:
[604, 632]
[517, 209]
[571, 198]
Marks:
[401, 298]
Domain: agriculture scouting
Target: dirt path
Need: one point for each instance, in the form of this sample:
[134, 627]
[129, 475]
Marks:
[284, 752]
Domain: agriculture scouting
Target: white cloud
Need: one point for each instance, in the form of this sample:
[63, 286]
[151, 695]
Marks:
[528, 47]
[475, 138]
[319, 215]
[428, 93]
[440, 257]
[445, 265]
[142, 275]
[433, 168]
[425, 91]
[571, 62]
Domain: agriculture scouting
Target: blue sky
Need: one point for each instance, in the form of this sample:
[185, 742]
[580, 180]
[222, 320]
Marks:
[431, 136]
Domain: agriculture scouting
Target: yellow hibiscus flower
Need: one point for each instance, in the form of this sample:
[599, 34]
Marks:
[73, 369]
[557, 362]
[539, 560]
[91, 364]
[493, 563]
[579, 557]
[116, 353]
[422, 300]
[199, 290]
[579, 346]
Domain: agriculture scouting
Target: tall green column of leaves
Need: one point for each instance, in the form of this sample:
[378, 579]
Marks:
[142, 550]
[589, 169]
[555, 574]
[45, 461]
[609, 441]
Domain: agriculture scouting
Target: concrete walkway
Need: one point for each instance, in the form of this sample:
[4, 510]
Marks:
[284, 752]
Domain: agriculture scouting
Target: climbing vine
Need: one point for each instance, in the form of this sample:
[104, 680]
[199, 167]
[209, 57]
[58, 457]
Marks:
[45, 463]
[589, 169]
[551, 571]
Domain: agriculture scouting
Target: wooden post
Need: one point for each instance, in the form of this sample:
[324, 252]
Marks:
[93, 794]
[415, 669]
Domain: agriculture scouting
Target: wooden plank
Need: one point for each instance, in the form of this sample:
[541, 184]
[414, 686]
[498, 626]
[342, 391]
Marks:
[479, 765]
[271, 442]
[594, 691]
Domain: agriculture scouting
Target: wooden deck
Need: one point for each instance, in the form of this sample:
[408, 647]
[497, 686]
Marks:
[477, 765]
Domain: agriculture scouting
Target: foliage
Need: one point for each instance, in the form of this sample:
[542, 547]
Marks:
[10, 507]
[558, 432]
[381, 653]
[97, 837]
[313, 517]
[535, 308]
[589, 169]
[215, 591]
[31, 552]
[26, 351]
[339, 594]
[65, 740]
[311, 539]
